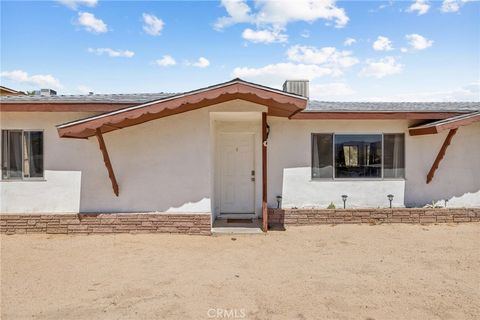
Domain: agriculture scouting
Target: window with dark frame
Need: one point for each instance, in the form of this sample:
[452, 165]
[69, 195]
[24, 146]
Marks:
[22, 154]
[352, 156]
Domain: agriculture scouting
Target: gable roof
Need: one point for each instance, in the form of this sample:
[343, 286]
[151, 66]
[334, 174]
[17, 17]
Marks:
[11, 91]
[279, 103]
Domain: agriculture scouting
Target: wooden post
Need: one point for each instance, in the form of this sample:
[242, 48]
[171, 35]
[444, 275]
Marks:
[106, 159]
[441, 154]
[264, 173]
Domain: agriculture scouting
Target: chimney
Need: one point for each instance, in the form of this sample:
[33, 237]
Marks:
[299, 87]
[45, 92]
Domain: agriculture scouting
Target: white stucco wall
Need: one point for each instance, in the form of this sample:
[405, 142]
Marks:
[161, 165]
[289, 161]
[166, 165]
[61, 189]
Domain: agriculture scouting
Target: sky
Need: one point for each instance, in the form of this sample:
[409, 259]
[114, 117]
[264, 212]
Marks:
[348, 50]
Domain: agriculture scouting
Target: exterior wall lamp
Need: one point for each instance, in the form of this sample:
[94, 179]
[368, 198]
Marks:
[390, 198]
[344, 199]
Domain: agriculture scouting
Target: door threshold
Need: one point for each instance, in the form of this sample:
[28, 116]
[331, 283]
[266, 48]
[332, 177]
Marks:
[237, 216]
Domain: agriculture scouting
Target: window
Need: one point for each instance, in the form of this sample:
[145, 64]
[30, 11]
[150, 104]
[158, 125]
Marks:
[351, 156]
[22, 154]
[322, 155]
[394, 156]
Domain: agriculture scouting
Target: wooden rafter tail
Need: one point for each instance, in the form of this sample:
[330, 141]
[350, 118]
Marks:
[441, 154]
[106, 160]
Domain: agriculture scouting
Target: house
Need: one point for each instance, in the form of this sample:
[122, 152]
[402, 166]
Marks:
[4, 91]
[232, 150]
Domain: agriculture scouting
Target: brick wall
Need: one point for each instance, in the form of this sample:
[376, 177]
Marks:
[106, 223]
[286, 217]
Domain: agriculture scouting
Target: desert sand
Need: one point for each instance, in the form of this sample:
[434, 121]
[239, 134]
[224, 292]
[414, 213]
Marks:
[322, 272]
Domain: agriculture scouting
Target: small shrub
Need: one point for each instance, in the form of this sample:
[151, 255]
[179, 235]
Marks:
[331, 206]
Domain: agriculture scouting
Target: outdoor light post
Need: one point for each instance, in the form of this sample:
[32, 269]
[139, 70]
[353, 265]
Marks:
[390, 198]
[344, 198]
[279, 199]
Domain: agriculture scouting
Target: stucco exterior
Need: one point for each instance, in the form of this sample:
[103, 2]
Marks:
[168, 165]
[457, 179]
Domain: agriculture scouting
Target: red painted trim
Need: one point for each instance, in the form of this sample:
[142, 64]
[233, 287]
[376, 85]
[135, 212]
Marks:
[264, 173]
[436, 128]
[107, 161]
[280, 105]
[441, 154]
[374, 115]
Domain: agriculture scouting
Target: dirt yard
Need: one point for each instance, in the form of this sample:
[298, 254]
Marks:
[324, 272]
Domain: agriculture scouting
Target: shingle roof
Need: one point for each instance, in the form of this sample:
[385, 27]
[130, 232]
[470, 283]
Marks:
[313, 105]
[133, 98]
[325, 106]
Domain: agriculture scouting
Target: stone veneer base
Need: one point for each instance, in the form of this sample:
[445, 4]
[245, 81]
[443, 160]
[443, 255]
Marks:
[295, 217]
[103, 223]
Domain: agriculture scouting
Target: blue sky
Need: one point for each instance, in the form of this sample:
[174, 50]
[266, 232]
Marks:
[401, 50]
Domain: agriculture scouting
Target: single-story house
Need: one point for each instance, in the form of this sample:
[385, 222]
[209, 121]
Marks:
[233, 149]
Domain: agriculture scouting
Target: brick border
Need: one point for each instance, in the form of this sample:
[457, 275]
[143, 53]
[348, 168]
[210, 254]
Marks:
[103, 223]
[294, 217]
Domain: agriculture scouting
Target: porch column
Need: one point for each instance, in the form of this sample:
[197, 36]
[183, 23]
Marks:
[264, 173]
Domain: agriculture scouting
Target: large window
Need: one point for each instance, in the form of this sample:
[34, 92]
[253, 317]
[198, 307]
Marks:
[351, 156]
[22, 154]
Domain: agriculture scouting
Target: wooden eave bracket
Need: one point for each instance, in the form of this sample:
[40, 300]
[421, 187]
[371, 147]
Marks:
[441, 154]
[106, 160]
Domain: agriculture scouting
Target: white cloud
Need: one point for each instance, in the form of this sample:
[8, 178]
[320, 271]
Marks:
[82, 89]
[152, 25]
[264, 36]
[91, 23]
[305, 62]
[419, 6]
[382, 44]
[381, 68]
[112, 53]
[74, 4]
[166, 61]
[201, 63]
[418, 42]
[334, 89]
[450, 6]
[36, 80]
[328, 56]
[276, 74]
[469, 92]
[349, 41]
[281, 12]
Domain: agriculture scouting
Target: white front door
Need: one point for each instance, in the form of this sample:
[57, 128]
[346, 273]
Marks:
[237, 175]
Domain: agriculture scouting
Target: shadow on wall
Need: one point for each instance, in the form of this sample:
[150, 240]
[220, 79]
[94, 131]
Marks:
[162, 165]
[457, 178]
[58, 192]
[301, 191]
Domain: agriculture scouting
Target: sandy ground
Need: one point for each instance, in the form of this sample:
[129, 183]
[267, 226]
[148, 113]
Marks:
[324, 272]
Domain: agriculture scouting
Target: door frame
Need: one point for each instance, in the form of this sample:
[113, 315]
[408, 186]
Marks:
[218, 169]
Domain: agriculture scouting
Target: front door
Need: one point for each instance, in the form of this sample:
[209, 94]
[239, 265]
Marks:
[237, 175]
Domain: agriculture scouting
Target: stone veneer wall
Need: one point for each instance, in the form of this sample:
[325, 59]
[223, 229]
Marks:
[194, 223]
[295, 217]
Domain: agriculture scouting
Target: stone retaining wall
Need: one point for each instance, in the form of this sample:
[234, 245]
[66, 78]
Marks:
[292, 217]
[194, 223]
